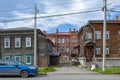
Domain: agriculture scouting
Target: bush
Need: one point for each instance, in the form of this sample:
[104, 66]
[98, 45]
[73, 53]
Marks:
[46, 69]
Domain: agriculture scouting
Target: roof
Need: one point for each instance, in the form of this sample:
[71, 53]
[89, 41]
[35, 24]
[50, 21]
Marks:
[63, 33]
[17, 29]
[55, 54]
[101, 21]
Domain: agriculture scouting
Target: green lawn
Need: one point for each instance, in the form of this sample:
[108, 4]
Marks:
[109, 70]
[46, 70]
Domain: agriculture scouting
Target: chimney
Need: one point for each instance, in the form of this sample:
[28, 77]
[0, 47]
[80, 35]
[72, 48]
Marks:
[116, 18]
[57, 30]
[70, 29]
[44, 31]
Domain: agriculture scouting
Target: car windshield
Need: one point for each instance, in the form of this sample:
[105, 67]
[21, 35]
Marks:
[21, 63]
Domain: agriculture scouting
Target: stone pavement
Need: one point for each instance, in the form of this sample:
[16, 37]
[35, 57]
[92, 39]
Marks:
[68, 69]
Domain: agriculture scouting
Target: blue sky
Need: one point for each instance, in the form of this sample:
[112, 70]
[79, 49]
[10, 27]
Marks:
[20, 9]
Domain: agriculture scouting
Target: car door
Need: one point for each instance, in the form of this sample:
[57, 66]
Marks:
[3, 65]
[12, 68]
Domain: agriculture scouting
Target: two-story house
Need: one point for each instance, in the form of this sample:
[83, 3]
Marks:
[91, 42]
[18, 44]
[64, 42]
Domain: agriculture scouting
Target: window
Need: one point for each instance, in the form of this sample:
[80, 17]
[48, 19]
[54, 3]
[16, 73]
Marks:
[53, 40]
[88, 35]
[28, 59]
[7, 42]
[107, 50]
[98, 50]
[7, 57]
[59, 41]
[42, 45]
[67, 40]
[63, 40]
[118, 50]
[67, 49]
[119, 34]
[98, 34]
[28, 41]
[74, 40]
[17, 42]
[107, 34]
[18, 58]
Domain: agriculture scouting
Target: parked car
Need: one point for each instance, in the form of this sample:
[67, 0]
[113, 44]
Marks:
[13, 67]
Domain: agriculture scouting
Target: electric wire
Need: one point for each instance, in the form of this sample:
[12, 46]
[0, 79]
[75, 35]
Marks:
[54, 15]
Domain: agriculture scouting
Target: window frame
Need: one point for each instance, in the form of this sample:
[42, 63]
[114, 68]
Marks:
[88, 35]
[98, 50]
[17, 56]
[107, 50]
[107, 33]
[7, 56]
[30, 59]
[28, 40]
[97, 34]
[5, 42]
[17, 42]
[63, 40]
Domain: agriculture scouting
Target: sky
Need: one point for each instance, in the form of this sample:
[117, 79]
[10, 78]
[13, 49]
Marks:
[20, 13]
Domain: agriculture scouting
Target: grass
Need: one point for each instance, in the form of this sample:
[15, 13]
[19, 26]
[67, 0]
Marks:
[109, 70]
[46, 70]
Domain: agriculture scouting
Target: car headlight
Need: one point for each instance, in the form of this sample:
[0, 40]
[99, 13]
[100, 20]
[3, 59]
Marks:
[32, 67]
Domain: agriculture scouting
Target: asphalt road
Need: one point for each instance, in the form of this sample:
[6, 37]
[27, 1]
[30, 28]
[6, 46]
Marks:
[66, 77]
[68, 72]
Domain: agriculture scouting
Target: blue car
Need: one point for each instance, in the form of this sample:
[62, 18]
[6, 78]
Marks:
[12, 67]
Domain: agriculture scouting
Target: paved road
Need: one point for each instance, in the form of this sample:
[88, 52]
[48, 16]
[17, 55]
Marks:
[67, 77]
[68, 72]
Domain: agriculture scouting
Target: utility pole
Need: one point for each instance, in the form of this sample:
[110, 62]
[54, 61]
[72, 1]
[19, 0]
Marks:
[104, 35]
[35, 37]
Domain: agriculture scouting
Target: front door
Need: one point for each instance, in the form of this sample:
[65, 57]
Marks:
[89, 52]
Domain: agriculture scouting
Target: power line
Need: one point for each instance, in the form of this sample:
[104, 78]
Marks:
[114, 10]
[16, 9]
[54, 15]
[64, 3]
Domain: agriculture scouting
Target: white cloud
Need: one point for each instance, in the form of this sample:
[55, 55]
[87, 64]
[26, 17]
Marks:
[51, 8]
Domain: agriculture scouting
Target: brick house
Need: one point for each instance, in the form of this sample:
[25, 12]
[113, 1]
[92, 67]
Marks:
[91, 42]
[64, 42]
[18, 44]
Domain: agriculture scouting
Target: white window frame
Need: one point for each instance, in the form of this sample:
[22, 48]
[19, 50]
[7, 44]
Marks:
[28, 40]
[18, 57]
[107, 33]
[63, 40]
[67, 49]
[88, 35]
[30, 59]
[98, 50]
[59, 40]
[97, 34]
[53, 40]
[6, 40]
[107, 51]
[17, 41]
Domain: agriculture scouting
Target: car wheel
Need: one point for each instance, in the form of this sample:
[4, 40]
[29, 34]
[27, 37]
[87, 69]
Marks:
[24, 74]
